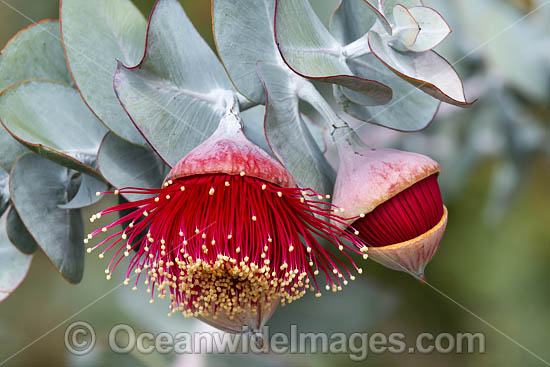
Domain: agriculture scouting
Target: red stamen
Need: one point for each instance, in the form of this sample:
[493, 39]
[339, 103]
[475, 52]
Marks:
[407, 215]
[227, 243]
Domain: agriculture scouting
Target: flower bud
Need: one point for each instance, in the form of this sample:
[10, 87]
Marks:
[392, 201]
[229, 235]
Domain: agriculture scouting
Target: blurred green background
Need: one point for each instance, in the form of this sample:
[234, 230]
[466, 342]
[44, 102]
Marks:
[494, 259]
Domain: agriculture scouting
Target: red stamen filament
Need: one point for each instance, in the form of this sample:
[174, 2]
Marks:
[407, 215]
[222, 243]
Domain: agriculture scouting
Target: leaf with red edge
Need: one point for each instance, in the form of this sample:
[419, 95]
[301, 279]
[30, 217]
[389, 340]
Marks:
[97, 33]
[406, 27]
[177, 94]
[427, 71]
[433, 28]
[409, 110]
[18, 234]
[128, 165]
[287, 134]
[353, 19]
[50, 119]
[243, 31]
[34, 52]
[310, 50]
[14, 265]
[37, 187]
[386, 7]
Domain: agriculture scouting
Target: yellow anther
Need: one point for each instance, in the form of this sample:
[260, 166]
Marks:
[226, 183]
[97, 193]
[242, 173]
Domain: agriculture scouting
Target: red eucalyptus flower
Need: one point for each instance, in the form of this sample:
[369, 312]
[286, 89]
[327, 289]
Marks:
[393, 200]
[229, 234]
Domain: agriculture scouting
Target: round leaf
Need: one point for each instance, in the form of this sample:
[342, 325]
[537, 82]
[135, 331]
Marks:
[14, 265]
[409, 110]
[86, 194]
[406, 27]
[310, 50]
[97, 33]
[34, 52]
[351, 20]
[18, 234]
[51, 119]
[428, 71]
[176, 95]
[433, 28]
[37, 187]
[386, 6]
[287, 134]
[127, 165]
[243, 31]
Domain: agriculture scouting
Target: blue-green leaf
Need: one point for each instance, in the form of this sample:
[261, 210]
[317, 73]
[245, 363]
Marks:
[351, 20]
[433, 28]
[288, 135]
[14, 265]
[386, 6]
[86, 194]
[427, 71]
[127, 165]
[34, 52]
[4, 190]
[97, 33]
[18, 234]
[51, 119]
[243, 31]
[310, 50]
[37, 187]
[409, 110]
[177, 94]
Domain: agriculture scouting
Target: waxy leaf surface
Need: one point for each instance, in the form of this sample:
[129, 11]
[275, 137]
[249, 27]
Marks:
[37, 187]
[178, 93]
[86, 194]
[288, 135]
[51, 119]
[14, 265]
[243, 31]
[18, 234]
[34, 52]
[428, 71]
[97, 33]
[310, 50]
[127, 165]
[409, 110]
